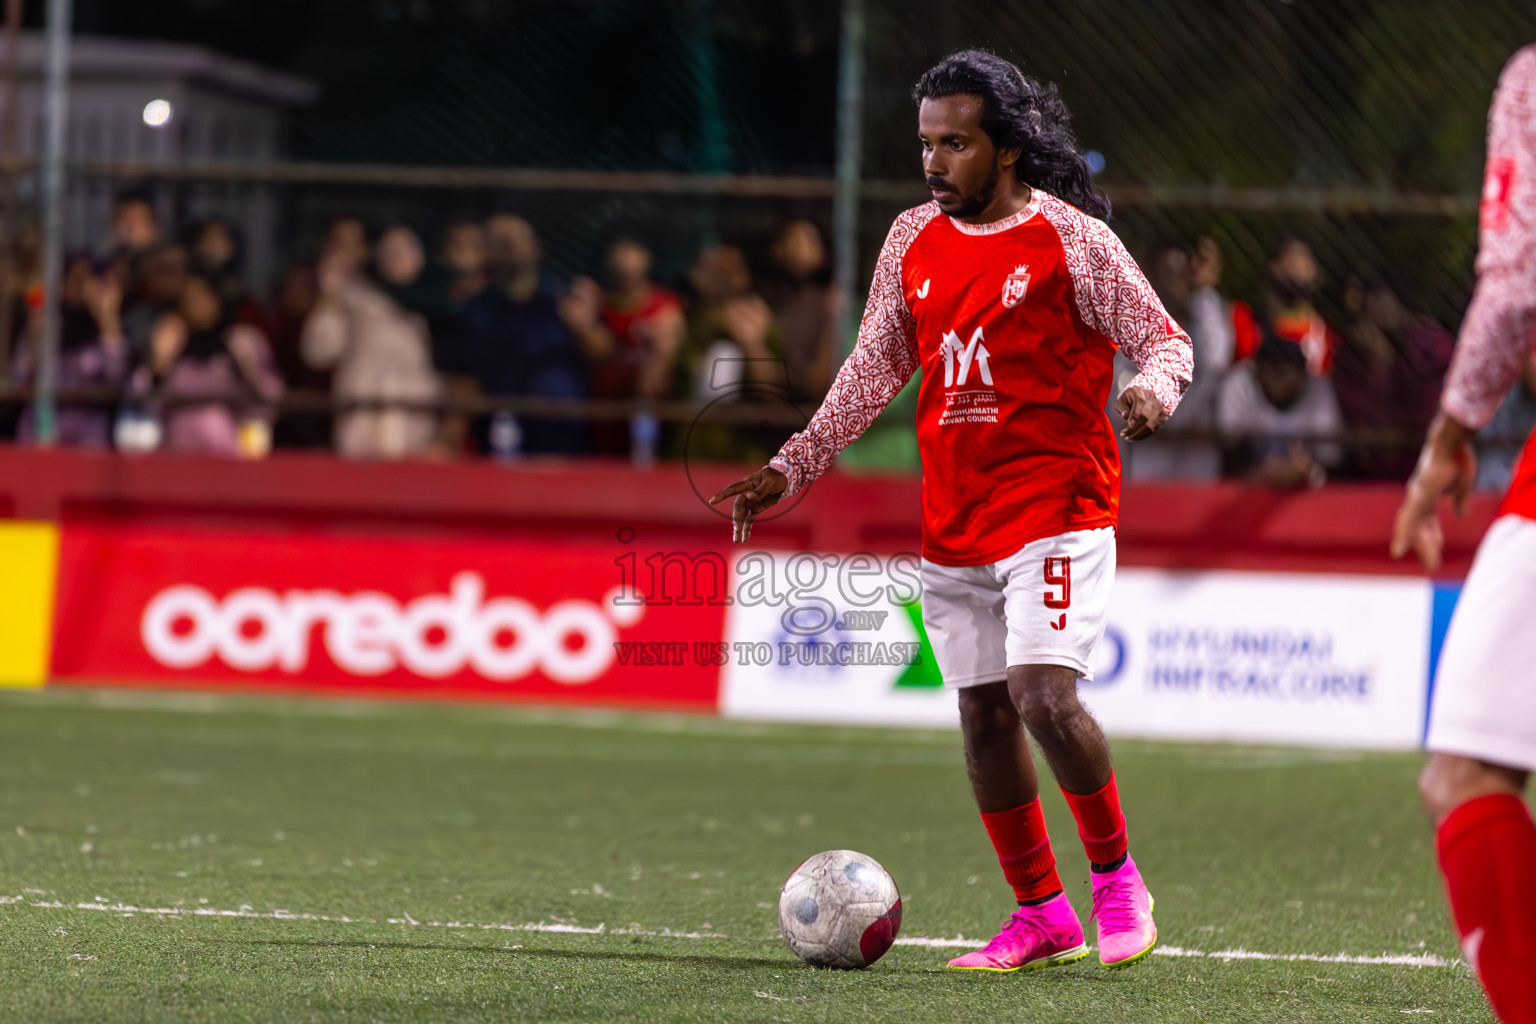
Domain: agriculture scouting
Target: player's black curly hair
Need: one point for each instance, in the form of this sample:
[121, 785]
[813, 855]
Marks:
[1018, 110]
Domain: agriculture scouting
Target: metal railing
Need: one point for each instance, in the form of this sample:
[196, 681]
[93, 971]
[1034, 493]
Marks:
[777, 413]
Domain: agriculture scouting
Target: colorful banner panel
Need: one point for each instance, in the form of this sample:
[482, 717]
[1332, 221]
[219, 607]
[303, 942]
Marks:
[29, 558]
[1247, 657]
[469, 619]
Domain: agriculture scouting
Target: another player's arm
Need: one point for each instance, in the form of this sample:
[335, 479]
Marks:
[874, 373]
[1121, 304]
[1495, 337]
[1495, 342]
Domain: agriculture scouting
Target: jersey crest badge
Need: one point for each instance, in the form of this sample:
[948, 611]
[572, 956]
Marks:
[1014, 286]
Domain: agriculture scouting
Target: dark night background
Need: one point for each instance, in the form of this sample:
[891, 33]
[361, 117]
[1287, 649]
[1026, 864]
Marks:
[1357, 94]
[1372, 92]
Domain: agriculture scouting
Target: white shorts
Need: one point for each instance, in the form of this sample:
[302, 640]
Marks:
[1484, 705]
[1045, 604]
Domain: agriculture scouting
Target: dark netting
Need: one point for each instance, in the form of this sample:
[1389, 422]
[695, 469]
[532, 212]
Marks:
[1354, 125]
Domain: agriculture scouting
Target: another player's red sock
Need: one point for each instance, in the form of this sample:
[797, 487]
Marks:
[1024, 850]
[1100, 824]
[1487, 850]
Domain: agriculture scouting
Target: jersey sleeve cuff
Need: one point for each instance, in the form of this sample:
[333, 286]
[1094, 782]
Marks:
[1165, 388]
[1474, 419]
[786, 467]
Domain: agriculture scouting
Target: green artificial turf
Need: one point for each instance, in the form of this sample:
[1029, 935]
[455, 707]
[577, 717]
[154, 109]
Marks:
[479, 816]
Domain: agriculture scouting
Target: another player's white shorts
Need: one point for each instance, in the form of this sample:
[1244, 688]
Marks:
[1045, 604]
[1484, 706]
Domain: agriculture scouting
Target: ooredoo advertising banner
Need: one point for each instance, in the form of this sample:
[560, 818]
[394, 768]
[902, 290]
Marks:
[480, 619]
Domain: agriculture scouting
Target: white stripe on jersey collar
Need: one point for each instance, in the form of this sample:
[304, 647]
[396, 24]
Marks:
[1012, 221]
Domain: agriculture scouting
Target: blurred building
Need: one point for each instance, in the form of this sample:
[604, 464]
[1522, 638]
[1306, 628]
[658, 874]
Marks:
[134, 104]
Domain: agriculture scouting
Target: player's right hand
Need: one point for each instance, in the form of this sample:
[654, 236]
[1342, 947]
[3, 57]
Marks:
[761, 490]
[1446, 466]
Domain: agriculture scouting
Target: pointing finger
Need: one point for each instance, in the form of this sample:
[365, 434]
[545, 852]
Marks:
[735, 488]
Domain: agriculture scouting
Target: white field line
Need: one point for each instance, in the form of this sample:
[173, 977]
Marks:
[566, 928]
[1225, 955]
[557, 927]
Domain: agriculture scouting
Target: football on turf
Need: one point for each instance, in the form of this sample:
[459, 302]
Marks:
[840, 909]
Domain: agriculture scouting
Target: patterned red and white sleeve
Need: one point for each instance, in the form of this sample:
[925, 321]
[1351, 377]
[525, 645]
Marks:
[1500, 328]
[875, 372]
[1115, 299]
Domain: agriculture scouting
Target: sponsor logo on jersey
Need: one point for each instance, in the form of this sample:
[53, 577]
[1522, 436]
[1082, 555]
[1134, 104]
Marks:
[922, 292]
[1014, 286]
[960, 358]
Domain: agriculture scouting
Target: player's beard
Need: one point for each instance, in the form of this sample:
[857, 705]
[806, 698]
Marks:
[971, 205]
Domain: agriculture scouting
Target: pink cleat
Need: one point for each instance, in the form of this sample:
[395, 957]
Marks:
[1046, 935]
[1122, 907]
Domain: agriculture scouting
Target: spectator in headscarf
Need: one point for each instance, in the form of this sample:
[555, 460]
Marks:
[379, 354]
[289, 311]
[466, 267]
[92, 353]
[406, 276]
[804, 306]
[1388, 376]
[732, 337]
[212, 380]
[162, 277]
[732, 354]
[215, 251]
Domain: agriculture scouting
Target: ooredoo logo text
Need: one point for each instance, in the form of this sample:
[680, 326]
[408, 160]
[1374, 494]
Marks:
[370, 633]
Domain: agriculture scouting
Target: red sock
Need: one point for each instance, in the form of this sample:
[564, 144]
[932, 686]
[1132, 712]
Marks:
[1487, 850]
[1024, 850]
[1100, 824]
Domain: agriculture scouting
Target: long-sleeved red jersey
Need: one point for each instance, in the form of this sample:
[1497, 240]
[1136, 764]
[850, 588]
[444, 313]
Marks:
[1500, 329]
[1015, 325]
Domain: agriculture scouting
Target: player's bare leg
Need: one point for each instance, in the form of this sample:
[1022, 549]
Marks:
[1069, 737]
[1486, 844]
[1044, 931]
[997, 757]
[1448, 781]
[1074, 746]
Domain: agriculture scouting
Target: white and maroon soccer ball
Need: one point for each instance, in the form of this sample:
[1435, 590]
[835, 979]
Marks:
[840, 909]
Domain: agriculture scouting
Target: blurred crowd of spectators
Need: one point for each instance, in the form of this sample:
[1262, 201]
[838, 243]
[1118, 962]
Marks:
[1310, 382]
[163, 347]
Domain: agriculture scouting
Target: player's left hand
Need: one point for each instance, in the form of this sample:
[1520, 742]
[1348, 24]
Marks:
[1446, 465]
[1142, 412]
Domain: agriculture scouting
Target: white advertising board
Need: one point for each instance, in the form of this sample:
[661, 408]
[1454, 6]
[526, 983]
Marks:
[1284, 658]
[1265, 657]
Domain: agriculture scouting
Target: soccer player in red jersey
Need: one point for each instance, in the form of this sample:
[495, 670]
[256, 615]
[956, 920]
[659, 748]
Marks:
[1482, 719]
[1012, 295]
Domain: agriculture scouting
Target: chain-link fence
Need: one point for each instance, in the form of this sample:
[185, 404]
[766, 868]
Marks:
[1354, 125]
